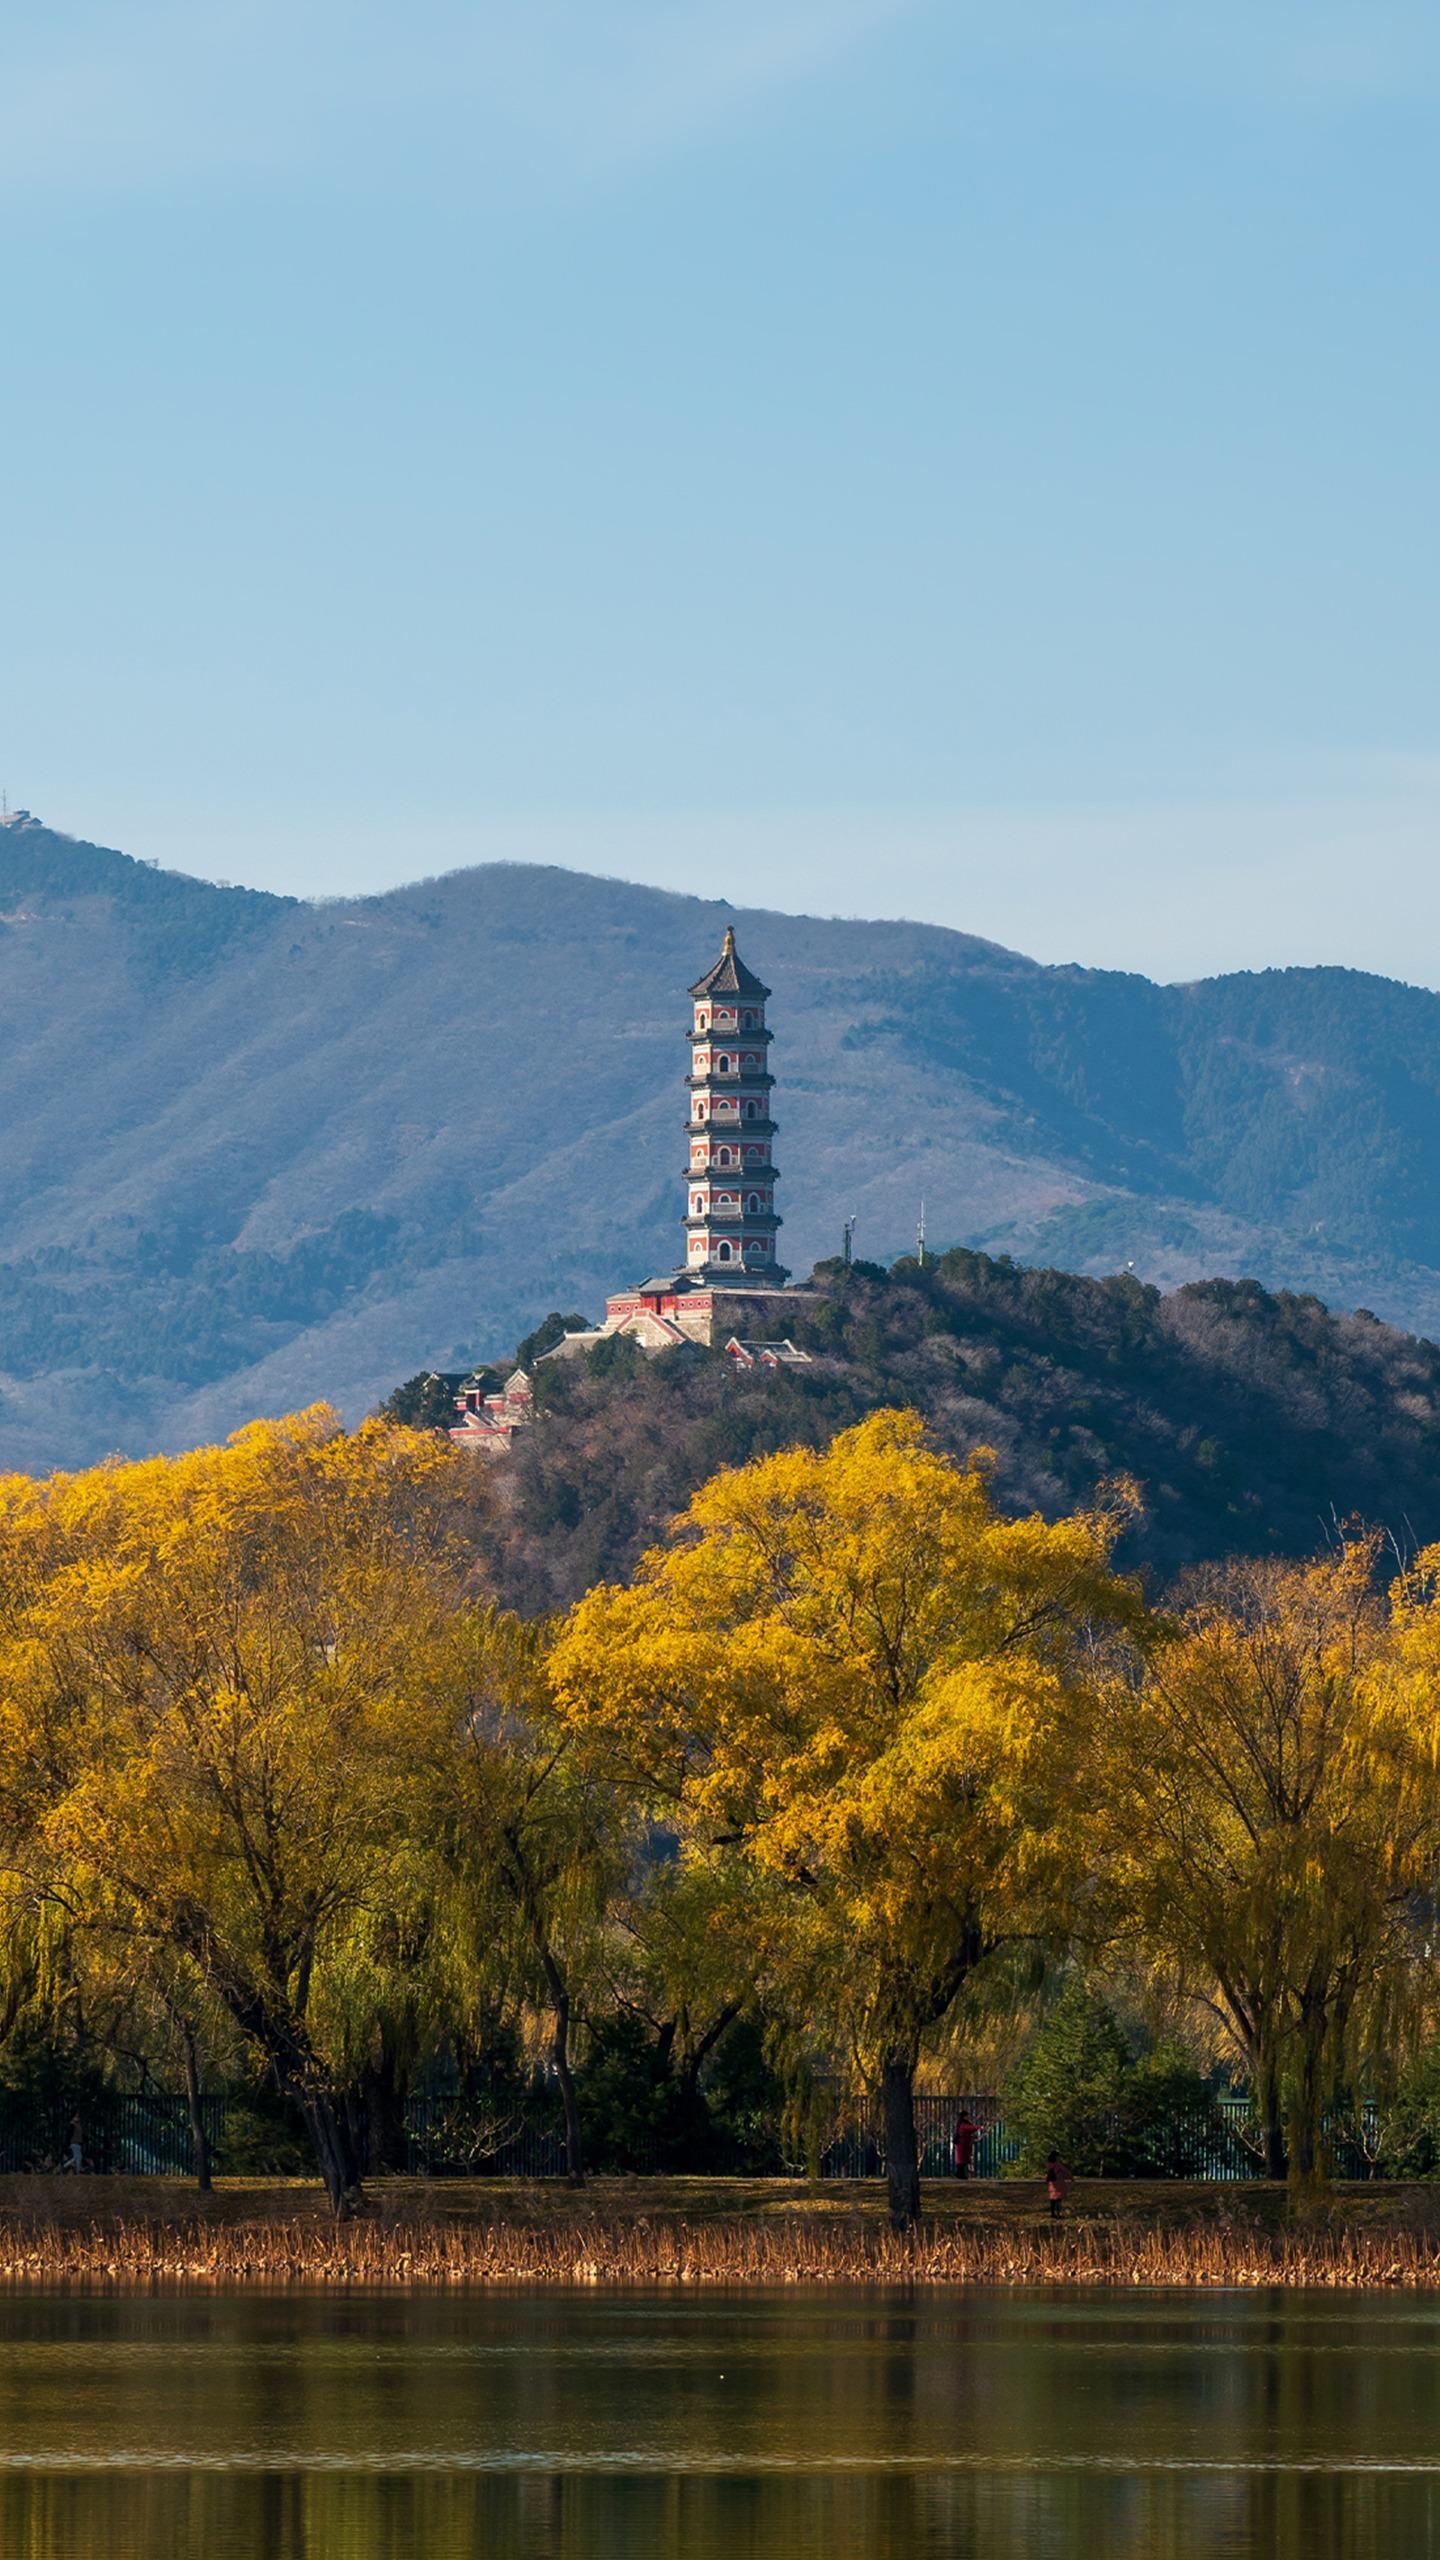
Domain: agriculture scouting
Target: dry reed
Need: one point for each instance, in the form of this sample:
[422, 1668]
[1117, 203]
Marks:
[1115, 2252]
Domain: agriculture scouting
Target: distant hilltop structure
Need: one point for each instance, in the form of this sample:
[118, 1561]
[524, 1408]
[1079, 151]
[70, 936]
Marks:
[731, 1275]
[732, 1222]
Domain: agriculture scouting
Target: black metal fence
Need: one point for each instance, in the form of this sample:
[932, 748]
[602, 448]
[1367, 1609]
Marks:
[1220, 2142]
[452, 2136]
[856, 2147]
[120, 2133]
[449, 2135]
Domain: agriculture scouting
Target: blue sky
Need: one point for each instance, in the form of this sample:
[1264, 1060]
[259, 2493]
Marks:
[874, 456]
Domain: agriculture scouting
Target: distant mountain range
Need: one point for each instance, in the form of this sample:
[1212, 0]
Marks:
[255, 1152]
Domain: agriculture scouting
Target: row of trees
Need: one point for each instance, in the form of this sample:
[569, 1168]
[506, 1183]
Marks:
[852, 1756]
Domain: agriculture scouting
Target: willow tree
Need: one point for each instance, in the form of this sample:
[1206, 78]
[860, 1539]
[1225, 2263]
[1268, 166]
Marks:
[540, 1841]
[1269, 1808]
[850, 1678]
[218, 1724]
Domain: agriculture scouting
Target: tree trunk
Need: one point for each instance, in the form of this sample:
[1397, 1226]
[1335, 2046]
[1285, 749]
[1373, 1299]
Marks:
[275, 2026]
[523, 1887]
[902, 2161]
[1304, 2149]
[1308, 2163]
[334, 2149]
[375, 2112]
[560, 2056]
[697, 2055]
[199, 2139]
[1272, 2124]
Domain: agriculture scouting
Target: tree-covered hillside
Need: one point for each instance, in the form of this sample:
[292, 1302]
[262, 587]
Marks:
[256, 1152]
[1298, 1100]
[1253, 1422]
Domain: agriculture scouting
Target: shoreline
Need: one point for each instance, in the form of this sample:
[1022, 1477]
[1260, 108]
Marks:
[707, 2234]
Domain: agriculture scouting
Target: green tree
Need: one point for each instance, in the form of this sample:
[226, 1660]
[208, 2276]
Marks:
[425, 1402]
[1065, 2091]
[550, 1330]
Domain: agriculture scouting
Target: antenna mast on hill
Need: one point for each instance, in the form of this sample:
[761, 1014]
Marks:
[920, 1238]
[849, 1240]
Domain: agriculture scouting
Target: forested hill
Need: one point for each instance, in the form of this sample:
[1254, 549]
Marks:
[1253, 1422]
[255, 1152]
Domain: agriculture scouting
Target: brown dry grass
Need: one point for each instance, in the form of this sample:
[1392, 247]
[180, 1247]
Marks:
[149, 2233]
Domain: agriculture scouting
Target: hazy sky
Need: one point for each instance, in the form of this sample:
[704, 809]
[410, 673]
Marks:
[967, 458]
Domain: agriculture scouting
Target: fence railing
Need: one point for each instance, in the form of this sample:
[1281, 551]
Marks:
[121, 2133]
[856, 2148]
[448, 2136]
[126, 2133]
[1218, 2143]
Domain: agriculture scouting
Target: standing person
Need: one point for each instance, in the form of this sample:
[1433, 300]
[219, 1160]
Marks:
[1058, 2183]
[74, 2160]
[967, 2134]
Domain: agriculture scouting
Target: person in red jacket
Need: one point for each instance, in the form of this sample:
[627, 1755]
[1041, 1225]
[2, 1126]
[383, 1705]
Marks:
[967, 2134]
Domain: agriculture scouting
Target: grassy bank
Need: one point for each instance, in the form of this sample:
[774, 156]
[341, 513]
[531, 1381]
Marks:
[138, 2232]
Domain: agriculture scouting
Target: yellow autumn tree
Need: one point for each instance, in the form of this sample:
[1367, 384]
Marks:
[848, 1677]
[218, 1721]
[1269, 1808]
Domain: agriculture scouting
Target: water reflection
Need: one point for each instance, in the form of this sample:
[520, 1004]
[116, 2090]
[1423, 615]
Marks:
[734, 2428]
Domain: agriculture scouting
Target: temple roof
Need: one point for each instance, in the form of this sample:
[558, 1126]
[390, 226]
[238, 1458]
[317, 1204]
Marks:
[729, 977]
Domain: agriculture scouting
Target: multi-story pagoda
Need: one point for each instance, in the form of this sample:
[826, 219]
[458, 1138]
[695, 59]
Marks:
[731, 1222]
[730, 1276]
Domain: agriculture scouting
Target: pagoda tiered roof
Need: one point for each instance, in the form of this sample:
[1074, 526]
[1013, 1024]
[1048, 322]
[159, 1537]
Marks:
[729, 977]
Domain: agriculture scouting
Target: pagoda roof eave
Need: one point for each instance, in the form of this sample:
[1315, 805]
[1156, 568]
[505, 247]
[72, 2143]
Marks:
[737, 1082]
[731, 1128]
[728, 1218]
[730, 977]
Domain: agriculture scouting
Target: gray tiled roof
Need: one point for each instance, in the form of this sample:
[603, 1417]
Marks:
[729, 977]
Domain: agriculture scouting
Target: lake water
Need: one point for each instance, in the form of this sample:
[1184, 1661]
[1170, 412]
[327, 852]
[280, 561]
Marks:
[721, 2427]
